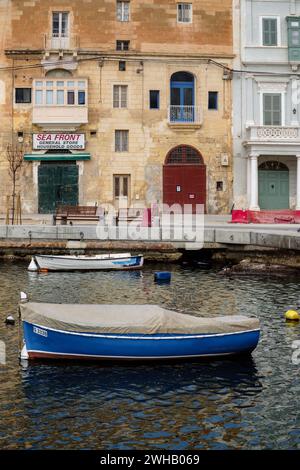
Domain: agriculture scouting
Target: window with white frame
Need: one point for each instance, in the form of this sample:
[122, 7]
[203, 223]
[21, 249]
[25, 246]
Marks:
[60, 92]
[184, 12]
[121, 140]
[120, 96]
[123, 10]
[272, 109]
[270, 31]
[122, 45]
[121, 186]
[60, 24]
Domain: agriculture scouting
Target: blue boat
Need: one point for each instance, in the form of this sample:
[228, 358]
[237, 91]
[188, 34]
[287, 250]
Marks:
[131, 332]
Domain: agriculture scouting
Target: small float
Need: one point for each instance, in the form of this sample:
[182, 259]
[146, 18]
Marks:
[131, 332]
[115, 261]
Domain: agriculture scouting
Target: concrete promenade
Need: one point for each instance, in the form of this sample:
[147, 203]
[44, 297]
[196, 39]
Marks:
[218, 233]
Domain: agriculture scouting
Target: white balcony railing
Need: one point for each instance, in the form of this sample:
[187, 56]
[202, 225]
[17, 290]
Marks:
[184, 115]
[277, 133]
[58, 42]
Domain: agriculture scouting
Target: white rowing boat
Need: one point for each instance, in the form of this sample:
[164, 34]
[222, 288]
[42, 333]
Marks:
[112, 261]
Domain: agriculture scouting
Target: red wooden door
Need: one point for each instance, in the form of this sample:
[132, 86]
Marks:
[184, 184]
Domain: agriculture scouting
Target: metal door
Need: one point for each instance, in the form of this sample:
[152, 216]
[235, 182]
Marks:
[184, 184]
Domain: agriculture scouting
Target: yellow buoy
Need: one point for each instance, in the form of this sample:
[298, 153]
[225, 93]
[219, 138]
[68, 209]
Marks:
[292, 315]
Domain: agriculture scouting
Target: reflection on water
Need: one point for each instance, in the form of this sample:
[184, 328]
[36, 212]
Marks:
[242, 403]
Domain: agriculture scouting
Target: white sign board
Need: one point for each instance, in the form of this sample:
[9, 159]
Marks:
[68, 141]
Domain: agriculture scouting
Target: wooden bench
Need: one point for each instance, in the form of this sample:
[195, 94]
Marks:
[65, 213]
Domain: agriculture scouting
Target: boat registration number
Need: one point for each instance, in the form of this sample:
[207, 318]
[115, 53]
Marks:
[39, 331]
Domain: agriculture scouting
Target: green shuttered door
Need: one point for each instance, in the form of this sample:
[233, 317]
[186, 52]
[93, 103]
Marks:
[58, 184]
[273, 189]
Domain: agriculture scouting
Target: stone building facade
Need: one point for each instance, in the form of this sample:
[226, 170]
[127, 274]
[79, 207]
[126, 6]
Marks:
[117, 102]
[266, 111]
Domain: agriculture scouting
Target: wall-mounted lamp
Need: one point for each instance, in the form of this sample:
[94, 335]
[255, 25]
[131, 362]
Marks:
[294, 111]
[227, 74]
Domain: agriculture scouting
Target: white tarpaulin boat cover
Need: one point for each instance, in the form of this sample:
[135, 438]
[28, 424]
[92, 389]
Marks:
[126, 319]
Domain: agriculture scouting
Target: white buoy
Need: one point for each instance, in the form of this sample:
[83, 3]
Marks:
[23, 296]
[32, 266]
[24, 354]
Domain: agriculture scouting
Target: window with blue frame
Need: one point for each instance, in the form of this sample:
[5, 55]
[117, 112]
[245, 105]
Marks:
[182, 97]
[81, 98]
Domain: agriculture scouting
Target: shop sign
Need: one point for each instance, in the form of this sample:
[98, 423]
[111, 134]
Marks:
[58, 141]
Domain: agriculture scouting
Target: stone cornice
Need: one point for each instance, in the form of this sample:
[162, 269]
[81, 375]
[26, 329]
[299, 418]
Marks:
[123, 55]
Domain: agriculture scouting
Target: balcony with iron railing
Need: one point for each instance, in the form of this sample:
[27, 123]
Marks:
[185, 115]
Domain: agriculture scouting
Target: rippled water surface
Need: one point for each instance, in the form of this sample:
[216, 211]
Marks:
[228, 404]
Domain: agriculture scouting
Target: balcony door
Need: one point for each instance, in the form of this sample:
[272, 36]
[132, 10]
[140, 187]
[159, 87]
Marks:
[182, 97]
[272, 109]
[60, 30]
[122, 191]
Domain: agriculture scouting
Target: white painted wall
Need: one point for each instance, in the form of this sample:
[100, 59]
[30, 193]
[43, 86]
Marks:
[254, 60]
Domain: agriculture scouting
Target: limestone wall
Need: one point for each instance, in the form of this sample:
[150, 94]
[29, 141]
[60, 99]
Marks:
[152, 27]
[163, 47]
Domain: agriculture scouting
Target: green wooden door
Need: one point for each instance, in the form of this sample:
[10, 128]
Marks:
[273, 189]
[58, 184]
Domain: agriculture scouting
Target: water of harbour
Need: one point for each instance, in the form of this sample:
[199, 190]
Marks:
[247, 403]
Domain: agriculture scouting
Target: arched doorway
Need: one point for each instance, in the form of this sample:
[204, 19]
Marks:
[273, 186]
[184, 177]
[182, 100]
